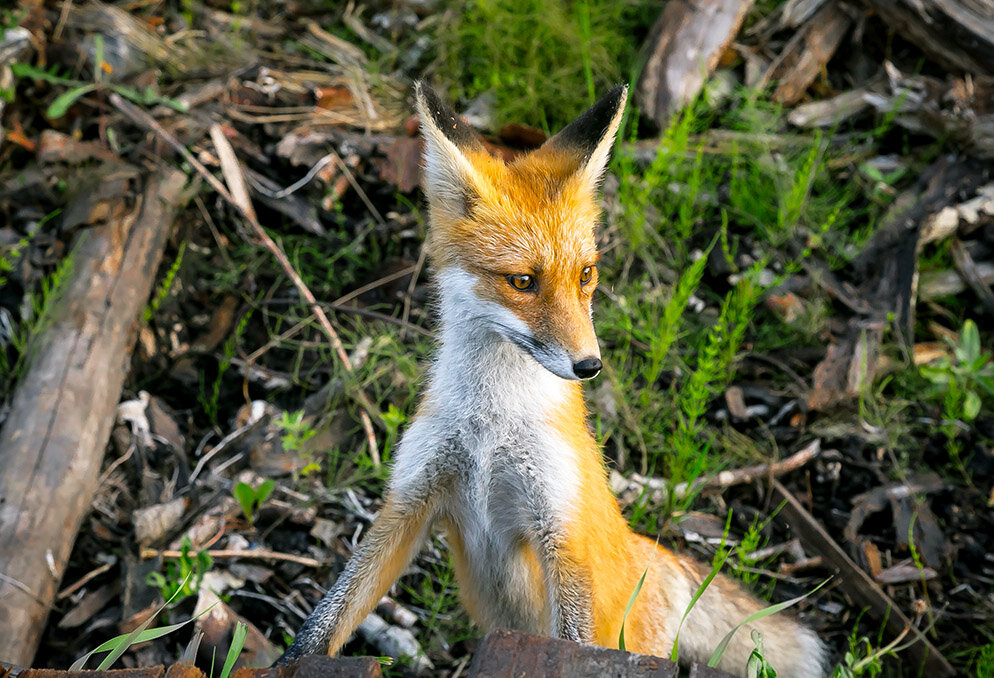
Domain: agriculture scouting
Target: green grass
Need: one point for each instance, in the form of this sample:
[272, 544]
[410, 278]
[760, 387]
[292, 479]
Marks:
[744, 197]
[16, 343]
[543, 61]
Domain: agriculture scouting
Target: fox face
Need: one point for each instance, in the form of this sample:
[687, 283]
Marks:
[514, 243]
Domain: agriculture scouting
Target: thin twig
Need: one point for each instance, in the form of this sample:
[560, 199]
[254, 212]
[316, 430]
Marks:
[373, 285]
[233, 174]
[261, 554]
[406, 315]
[85, 579]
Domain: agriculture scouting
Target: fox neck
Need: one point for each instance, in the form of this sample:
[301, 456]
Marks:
[479, 371]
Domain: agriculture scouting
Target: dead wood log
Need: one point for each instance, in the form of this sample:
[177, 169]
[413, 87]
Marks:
[959, 34]
[684, 46]
[63, 408]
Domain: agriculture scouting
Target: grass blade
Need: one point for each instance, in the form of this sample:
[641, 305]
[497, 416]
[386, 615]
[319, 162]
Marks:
[675, 652]
[631, 602]
[235, 649]
[119, 644]
[756, 616]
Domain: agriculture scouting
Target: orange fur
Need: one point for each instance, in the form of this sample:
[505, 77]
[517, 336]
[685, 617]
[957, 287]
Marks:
[528, 217]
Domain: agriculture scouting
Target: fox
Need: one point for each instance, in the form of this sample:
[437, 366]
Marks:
[499, 453]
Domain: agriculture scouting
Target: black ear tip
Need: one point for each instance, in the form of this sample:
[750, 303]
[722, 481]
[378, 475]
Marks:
[425, 95]
[616, 97]
[442, 117]
[584, 133]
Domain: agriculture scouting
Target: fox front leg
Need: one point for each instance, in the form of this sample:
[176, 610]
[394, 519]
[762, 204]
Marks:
[568, 589]
[384, 552]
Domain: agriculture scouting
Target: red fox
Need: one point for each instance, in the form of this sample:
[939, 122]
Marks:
[499, 453]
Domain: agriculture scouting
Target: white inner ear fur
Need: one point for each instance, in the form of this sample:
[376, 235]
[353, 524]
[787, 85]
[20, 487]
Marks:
[590, 174]
[447, 172]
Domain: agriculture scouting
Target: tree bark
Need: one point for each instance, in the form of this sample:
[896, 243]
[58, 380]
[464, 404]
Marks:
[53, 440]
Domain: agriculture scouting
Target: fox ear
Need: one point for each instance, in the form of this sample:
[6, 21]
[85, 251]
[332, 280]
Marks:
[449, 177]
[591, 136]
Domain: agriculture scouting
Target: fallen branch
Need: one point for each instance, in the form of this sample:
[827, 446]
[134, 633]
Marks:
[238, 198]
[633, 486]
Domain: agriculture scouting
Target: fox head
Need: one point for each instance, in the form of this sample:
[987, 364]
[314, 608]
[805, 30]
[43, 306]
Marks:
[514, 243]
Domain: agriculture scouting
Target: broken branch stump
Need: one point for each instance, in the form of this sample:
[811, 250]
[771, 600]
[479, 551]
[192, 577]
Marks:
[60, 419]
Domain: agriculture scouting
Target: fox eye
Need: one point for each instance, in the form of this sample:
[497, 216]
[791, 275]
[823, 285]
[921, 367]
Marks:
[586, 274]
[521, 281]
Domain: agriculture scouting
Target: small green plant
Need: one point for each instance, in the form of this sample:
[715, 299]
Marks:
[756, 665]
[962, 381]
[16, 336]
[79, 88]
[984, 665]
[751, 541]
[251, 498]
[861, 659]
[184, 574]
[296, 431]
[166, 286]
[393, 419]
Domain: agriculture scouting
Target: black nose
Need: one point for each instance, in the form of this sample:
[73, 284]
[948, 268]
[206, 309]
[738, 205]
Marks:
[586, 369]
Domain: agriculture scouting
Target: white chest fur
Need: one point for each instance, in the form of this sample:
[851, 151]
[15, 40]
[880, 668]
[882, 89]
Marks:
[486, 427]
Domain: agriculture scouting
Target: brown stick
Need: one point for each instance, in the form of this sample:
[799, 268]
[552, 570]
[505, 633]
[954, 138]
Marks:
[244, 207]
[259, 554]
[660, 486]
[61, 415]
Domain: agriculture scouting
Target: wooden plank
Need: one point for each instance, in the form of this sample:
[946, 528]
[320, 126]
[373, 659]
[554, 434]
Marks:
[53, 441]
[683, 49]
[860, 586]
[513, 654]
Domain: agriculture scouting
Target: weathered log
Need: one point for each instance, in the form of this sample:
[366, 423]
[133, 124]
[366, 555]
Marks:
[959, 34]
[805, 55]
[513, 654]
[60, 419]
[684, 46]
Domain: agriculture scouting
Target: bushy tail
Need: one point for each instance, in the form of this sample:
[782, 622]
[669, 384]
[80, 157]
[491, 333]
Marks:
[794, 650]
